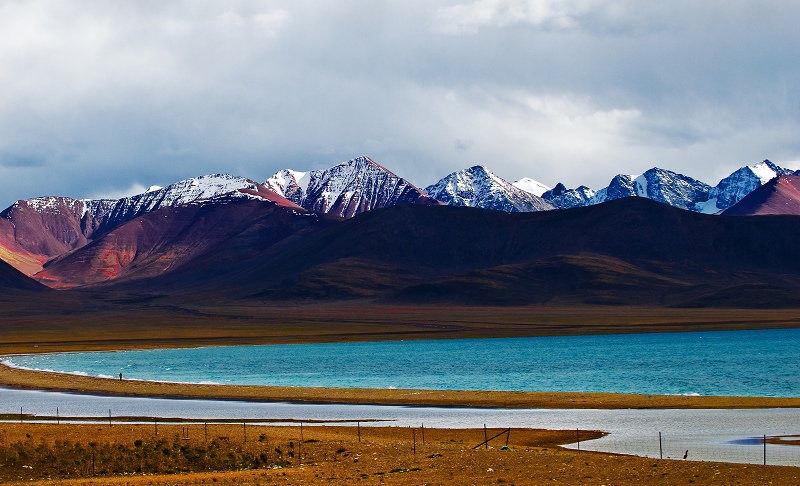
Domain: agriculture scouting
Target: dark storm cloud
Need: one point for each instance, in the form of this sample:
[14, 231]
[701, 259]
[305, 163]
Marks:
[111, 97]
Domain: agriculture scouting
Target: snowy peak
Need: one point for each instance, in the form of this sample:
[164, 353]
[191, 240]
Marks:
[780, 195]
[529, 185]
[742, 182]
[479, 187]
[346, 189]
[660, 185]
[562, 198]
[182, 192]
[290, 184]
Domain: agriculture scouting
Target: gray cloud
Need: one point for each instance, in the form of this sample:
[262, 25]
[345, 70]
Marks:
[103, 97]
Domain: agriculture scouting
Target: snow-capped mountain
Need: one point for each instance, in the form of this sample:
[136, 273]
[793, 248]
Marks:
[736, 186]
[672, 188]
[659, 185]
[189, 190]
[529, 185]
[346, 189]
[36, 230]
[562, 198]
[478, 187]
[780, 195]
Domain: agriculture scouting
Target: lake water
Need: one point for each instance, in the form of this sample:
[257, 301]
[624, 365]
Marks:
[709, 435]
[733, 363]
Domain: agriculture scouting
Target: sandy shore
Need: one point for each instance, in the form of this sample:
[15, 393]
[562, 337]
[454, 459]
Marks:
[38, 380]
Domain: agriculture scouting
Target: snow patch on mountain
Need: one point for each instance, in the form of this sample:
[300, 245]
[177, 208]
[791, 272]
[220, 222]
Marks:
[562, 198]
[739, 184]
[346, 189]
[529, 185]
[479, 187]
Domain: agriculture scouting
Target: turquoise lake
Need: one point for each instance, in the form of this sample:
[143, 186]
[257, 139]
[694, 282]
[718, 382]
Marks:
[741, 363]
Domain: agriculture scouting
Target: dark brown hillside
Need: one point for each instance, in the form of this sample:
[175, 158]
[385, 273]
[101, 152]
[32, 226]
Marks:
[629, 251]
[12, 280]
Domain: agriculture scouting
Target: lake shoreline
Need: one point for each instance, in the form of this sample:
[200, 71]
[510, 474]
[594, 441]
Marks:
[25, 379]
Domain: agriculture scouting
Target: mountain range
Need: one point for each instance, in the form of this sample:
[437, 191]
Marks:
[357, 230]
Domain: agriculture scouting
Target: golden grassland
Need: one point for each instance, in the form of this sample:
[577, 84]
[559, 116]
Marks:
[181, 454]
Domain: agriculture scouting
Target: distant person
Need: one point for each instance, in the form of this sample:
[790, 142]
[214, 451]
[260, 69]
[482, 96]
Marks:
[686, 454]
[120, 377]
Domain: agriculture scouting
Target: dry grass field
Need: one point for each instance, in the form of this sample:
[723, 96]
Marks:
[218, 454]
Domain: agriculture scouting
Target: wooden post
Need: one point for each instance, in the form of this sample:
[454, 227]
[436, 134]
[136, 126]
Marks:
[205, 430]
[301, 431]
[299, 451]
[358, 424]
[58, 420]
[20, 414]
[660, 450]
[578, 435]
[109, 418]
[765, 449]
[485, 437]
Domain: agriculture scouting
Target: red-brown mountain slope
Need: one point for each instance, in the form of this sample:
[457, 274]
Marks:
[163, 240]
[781, 195]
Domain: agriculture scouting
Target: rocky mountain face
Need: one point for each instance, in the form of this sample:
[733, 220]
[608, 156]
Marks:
[347, 189]
[562, 198]
[736, 186]
[671, 188]
[780, 195]
[478, 187]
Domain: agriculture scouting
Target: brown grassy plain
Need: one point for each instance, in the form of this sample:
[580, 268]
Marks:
[334, 455]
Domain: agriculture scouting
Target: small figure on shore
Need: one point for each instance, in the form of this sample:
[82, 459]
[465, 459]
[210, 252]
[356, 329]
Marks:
[686, 454]
[120, 377]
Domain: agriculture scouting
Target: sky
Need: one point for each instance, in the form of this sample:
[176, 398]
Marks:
[103, 99]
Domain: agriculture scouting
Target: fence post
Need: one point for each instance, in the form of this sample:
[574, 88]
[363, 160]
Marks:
[660, 450]
[109, 418]
[765, 449]
[485, 437]
[358, 424]
[58, 420]
[578, 436]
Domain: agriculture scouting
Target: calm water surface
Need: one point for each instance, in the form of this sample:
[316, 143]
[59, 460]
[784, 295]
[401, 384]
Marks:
[743, 363]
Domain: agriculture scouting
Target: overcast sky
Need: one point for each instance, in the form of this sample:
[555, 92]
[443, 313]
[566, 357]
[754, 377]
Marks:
[101, 98]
